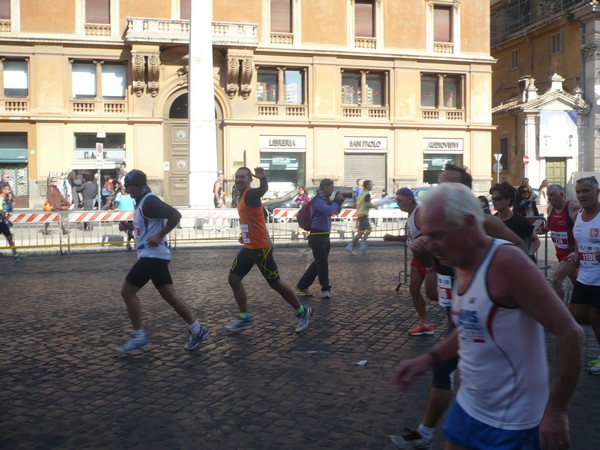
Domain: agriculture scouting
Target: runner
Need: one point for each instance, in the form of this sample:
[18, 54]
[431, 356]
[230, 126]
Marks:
[560, 223]
[442, 384]
[585, 301]
[258, 250]
[418, 269]
[153, 219]
[503, 400]
[363, 204]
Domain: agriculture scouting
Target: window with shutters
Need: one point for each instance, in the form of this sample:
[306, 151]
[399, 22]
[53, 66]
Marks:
[282, 15]
[97, 17]
[365, 26]
[443, 31]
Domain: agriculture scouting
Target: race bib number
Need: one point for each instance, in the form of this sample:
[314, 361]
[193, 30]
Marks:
[245, 234]
[560, 239]
[444, 288]
[587, 255]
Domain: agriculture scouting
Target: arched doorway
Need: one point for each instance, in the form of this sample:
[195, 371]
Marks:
[177, 149]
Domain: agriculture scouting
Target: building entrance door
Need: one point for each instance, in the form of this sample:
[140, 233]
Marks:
[556, 171]
[177, 153]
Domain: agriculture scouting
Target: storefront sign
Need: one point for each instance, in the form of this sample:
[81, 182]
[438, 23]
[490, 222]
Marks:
[368, 144]
[443, 145]
[279, 143]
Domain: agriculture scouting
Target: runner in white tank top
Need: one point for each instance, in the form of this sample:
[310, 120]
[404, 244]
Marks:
[504, 301]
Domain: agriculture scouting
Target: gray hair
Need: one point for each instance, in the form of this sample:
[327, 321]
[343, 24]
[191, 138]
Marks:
[458, 202]
[558, 188]
[592, 180]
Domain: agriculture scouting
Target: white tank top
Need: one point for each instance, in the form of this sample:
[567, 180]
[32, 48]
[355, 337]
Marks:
[502, 357]
[412, 230]
[145, 228]
[587, 235]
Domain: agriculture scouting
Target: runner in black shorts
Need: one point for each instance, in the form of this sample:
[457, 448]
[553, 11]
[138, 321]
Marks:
[262, 258]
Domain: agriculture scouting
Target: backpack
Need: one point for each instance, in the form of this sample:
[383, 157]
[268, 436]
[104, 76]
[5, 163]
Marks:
[304, 217]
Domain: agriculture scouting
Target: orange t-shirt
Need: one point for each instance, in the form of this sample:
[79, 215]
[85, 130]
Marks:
[252, 224]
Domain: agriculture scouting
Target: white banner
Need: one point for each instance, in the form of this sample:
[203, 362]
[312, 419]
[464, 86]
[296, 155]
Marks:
[558, 134]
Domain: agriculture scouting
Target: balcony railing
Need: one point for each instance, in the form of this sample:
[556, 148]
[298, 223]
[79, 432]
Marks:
[443, 47]
[440, 114]
[93, 106]
[365, 42]
[365, 112]
[282, 38]
[5, 26]
[178, 31]
[282, 110]
[14, 105]
[97, 29]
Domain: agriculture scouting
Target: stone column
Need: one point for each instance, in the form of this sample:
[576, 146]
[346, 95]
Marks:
[201, 101]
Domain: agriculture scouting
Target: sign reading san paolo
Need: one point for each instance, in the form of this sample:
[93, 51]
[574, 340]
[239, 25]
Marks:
[365, 143]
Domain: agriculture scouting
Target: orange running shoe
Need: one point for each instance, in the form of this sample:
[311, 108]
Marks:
[421, 329]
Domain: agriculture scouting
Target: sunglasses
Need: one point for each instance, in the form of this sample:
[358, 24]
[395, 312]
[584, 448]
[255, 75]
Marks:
[497, 199]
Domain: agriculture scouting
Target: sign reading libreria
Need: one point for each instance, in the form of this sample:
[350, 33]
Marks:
[278, 143]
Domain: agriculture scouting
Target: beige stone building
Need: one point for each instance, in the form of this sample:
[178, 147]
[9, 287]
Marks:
[381, 89]
[545, 88]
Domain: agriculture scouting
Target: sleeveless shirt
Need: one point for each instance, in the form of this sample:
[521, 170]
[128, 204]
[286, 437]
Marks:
[587, 235]
[413, 231]
[252, 224]
[560, 232]
[502, 356]
[145, 228]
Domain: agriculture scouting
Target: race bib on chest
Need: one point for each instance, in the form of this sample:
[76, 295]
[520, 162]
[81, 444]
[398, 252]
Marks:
[560, 239]
[587, 256]
[444, 288]
[245, 234]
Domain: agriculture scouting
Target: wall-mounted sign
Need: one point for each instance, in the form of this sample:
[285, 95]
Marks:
[443, 145]
[365, 144]
[279, 143]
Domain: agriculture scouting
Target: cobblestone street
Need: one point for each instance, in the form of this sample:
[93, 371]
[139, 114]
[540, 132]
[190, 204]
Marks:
[64, 385]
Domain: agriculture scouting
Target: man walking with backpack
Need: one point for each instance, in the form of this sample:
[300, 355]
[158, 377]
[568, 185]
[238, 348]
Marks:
[321, 209]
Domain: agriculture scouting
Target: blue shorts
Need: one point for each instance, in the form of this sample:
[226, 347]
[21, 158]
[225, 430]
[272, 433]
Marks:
[461, 429]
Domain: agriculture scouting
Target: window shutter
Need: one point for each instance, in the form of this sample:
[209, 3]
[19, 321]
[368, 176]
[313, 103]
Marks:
[363, 19]
[97, 11]
[4, 9]
[442, 21]
[184, 9]
[281, 16]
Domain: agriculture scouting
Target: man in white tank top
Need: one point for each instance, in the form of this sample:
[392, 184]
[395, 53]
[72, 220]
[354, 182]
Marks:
[504, 400]
[153, 219]
[585, 301]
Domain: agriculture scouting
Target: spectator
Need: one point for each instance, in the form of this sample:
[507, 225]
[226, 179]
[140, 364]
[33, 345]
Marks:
[484, 204]
[219, 199]
[9, 197]
[543, 194]
[5, 223]
[56, 201]
[302, 200]
[124, 202]
[524, 204]
[89, 189]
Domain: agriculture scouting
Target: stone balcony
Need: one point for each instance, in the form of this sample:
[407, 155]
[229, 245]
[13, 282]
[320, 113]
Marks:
[178, 31]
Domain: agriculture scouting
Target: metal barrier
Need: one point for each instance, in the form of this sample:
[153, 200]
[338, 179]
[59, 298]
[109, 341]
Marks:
[99, 231]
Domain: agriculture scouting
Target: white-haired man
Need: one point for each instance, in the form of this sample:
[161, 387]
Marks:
[504, 395]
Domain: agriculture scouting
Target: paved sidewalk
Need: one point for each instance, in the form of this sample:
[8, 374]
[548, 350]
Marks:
[64, 386]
